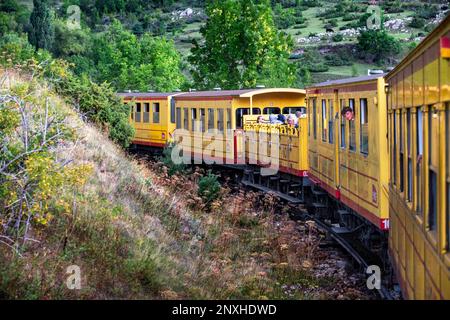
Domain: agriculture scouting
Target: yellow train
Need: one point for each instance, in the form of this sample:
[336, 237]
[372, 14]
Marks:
[374, 149]
[419, 152]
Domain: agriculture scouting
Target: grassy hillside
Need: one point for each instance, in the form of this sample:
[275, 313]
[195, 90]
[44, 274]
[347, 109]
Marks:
[135, 232]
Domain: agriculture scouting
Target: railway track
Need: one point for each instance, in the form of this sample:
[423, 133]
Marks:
[363, 259]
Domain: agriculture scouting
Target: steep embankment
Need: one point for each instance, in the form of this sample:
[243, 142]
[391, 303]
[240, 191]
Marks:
[133, 231]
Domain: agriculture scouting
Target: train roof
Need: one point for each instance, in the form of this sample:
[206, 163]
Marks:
[243, 93]
[148, 95]
[227, 94]
[348, 80]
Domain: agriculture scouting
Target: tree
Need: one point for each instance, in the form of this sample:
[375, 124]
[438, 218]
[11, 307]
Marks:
[241, 46]
[378, 44]
[42, 31]
[129, 62]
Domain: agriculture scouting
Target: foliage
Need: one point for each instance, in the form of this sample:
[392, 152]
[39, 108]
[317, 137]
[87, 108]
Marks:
[14, 49]
[30, 173]
[143, 63]
[378, 44]
[70, 42]
[166, 160]
[41, 33]
[99, 103]
[209, 188]
[241, 43]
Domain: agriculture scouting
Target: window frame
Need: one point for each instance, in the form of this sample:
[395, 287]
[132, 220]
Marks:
[194, 116]
[156, 112]
[220, 119]
[343, 127]
[409, 153]
[314, 111]
[211, 118]
[178, 122]
[273, 110]
[419, 179]
[240, 113]
[146, 113]
[324, 120]
[364, 122]
[186, 118]
[330, 121]
[138, 113]
[433, 176]
[352, 127]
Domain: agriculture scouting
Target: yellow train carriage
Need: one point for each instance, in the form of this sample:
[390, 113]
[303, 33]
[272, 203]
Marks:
[152, 117]
[349, 157]
[290, 142]
[419, 125]
[215, 119]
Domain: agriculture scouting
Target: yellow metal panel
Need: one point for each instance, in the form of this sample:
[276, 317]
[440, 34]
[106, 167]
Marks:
[418, 82]
[431, 76]
[419, 279]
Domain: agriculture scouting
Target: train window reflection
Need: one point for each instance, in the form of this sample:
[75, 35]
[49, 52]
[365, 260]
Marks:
[364, 134]
[419, 165]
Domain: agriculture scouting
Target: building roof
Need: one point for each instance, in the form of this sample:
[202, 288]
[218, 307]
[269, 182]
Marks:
[348, 80]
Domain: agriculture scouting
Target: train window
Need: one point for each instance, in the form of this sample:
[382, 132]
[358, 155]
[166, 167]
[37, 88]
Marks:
[432, 176]
[156, 112]
[172, 110]
[269, 110]
[343, 141]
[409, 153]
[402, 157]
[220, 120]
[210, 119]
[202, 120]
[131, 111]
[146, 115]
[293, 110]
[178, 118]
[138, 112]
[330, 122]
[364, 129]
[419, 162]
[240, 113]
[352, 126]
[186, 118]
[228, 119]
[256, 111]
[394, 147]
[314, 111]
[447, 124]
[324, 120]
[194, 119]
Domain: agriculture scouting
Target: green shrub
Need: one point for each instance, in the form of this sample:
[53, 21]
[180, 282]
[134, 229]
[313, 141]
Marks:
[166, 159]
[338, 37]
[209, 188]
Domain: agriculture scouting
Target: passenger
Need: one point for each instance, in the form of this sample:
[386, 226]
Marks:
[282, 118]
[347, 112]
[301, 114]
[294, 118]
[291, 120]
[261, 120]
[273, 119]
